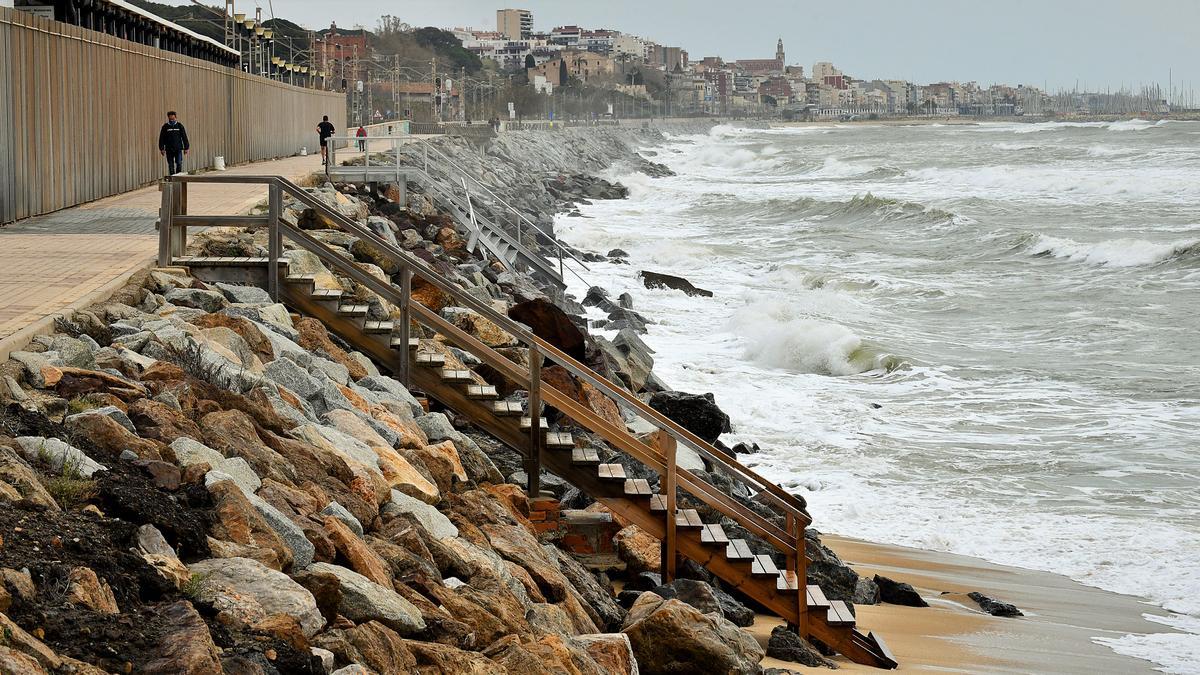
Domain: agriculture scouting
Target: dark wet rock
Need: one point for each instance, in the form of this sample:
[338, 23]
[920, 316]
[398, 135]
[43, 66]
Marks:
[551, 324]
[993, 606]
[866, 592]
[746, 449]
[706, 597]
[617, 253]
[827, 570]
[698, 413]
[644, 581]
[626, 598]
[657, 280]
[786, 645]
[898, 593]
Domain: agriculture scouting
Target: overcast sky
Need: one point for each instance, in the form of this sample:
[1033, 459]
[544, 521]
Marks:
[1102, 43]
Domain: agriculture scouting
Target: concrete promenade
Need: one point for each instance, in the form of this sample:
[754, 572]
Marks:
[78, 256]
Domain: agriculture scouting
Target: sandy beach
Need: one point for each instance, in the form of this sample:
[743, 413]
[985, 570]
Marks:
[952, 635]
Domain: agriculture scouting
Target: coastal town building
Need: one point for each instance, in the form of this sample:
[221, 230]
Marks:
[515, 24]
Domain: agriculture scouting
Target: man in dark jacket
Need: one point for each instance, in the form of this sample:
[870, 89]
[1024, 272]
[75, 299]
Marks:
[324, 131]
[173, 144]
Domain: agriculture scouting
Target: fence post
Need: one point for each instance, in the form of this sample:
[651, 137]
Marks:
[669, 548]
[274, 240]
[405, 325]
[801, 569]
[165, 211]
[533, 466]
[179, 237]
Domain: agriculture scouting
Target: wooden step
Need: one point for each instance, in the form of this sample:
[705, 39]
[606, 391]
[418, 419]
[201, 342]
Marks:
[713, 534]
[688, 519]
[559, 440]
[455, 375]
[223, 261]
[431, 360]
[816, 597]
[527, 423]
[839, 614]
[738, 549]
[327, 295]
[413, 343]
[377, 327]
[297, 278]
[586, 456]
[763, 566]
[637, 487]
[481, 391]
[658, 504]
[611, 472]
[353, 310]
[507, 408]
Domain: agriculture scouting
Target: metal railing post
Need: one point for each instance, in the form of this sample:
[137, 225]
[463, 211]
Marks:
[274, 240]
[533, 467]
[405, 325]
[669, 545]
[425, 154]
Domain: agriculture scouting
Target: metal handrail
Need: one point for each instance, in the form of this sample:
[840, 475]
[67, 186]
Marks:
[788, 540]
[450, 195]
[483, 186]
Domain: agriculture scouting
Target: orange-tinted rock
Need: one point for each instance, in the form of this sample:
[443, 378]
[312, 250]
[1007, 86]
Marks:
[315, 338]
[355, 551]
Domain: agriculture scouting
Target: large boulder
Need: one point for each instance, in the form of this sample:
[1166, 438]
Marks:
[659, 280]
[478, 326]
[551, 324]
[270, 589]
[17, 474]
[638, 549]
[708, 598]
[672, 637]
[58, 455]
[583, 393]
[611, 651]
[697, 413]
[786, 645]
[185, 645]
[898, 593]
[364, 600]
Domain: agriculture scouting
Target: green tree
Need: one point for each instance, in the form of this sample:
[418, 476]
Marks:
[530, 62]
[562, 72]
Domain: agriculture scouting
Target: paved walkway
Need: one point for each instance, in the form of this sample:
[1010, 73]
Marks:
[52, 262]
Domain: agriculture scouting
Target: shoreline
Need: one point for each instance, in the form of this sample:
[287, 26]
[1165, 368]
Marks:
[1057, 634]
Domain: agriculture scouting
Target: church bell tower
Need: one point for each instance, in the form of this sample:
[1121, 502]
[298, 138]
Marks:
[779, 52]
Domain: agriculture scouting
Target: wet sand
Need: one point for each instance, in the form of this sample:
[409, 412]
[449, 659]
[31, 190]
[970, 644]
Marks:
[952, 635]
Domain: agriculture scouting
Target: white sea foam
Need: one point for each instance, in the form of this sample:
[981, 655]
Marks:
[1016, 436]
[1114, 252]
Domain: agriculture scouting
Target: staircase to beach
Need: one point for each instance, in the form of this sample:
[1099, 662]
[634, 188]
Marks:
[685, 511]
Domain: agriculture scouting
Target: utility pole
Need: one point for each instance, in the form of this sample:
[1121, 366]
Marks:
[433, 98]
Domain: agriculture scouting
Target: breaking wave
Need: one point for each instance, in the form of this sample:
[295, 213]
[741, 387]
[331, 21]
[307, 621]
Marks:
[778, 335]
[1115, 252]
[857, 208]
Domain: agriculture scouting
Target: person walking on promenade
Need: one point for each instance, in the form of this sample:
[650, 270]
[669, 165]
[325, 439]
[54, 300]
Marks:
[361, 134]
[324, 130]
[173, 144]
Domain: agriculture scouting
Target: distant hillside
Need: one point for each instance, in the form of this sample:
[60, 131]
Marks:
[416, 46]
[209, 22]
